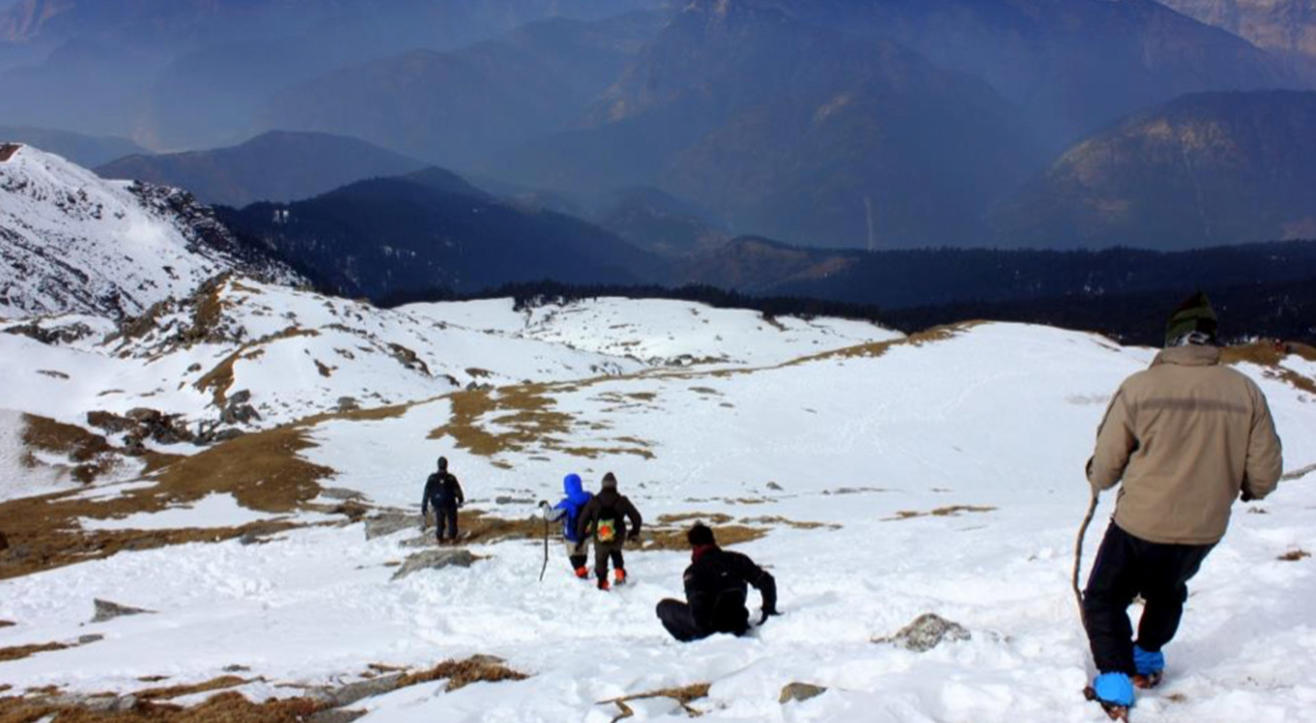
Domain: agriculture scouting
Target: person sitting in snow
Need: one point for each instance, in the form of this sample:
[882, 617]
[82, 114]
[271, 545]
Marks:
[568, 510]
[1185, 437]
[604, 520]
[444, 493]
[716, 588]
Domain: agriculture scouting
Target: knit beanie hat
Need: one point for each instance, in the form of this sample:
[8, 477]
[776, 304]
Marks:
[609, 482]
[700, 534]
[1193, 315]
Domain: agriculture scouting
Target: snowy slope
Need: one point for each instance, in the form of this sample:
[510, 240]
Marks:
[840, 458]
[298, 353]
[72, 242]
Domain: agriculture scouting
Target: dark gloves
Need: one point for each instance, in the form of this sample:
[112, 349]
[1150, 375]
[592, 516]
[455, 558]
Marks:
[768, 612]
[543, 503]
[1246, 496]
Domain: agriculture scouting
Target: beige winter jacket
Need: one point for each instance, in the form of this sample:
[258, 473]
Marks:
[1185, 435]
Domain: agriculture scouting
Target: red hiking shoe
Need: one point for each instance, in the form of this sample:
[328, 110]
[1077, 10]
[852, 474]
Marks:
[619, 576]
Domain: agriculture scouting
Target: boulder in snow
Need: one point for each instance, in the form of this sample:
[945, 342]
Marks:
[106, 610]
[388, 523]
[434, 560]
[927, 632]
[799, 691]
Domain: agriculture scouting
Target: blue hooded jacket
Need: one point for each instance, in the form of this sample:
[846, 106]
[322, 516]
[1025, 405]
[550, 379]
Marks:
[575, 500]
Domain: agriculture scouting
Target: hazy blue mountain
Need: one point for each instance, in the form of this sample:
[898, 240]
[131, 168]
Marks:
[383, 238]
[454, 108]
[274, 166]
[86, 151]
[794, 131]
[193, 73]
[1213, 168]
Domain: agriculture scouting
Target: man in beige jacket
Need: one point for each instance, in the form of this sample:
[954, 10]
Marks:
[1185, 436]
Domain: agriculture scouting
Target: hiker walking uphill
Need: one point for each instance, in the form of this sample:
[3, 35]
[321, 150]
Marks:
[1185, 437]
[444, 493]
[568, 510]
[604, 520]
[715, 591]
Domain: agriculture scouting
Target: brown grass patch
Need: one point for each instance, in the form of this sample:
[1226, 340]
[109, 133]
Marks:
[1270, 355]
[7, 623]
[1294, 555]
[461, 673]
[74, 442]
[218, 380]
[175, 691]
[951, 511]
[22, 651]
[796, 524]
[659, 538]
[596, 452]
[525, 410]
[877, 349]
[261, 470]
[683, 696]
[715, 518]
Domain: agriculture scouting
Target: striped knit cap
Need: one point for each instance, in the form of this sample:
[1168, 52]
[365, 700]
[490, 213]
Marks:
[1194, 314]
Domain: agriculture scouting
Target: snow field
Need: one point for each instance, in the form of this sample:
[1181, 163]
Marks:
[999, 416]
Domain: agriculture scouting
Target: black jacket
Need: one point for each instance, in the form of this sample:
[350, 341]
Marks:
[715, 587]
[608, 503]
[441, 490]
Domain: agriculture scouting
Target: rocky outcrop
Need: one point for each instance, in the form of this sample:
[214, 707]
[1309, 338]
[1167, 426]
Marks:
[106, 610]
[434, 560]
[799, 692]
[927, 632]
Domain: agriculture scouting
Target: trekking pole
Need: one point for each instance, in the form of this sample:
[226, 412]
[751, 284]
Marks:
[1078, 556]
[545, 565]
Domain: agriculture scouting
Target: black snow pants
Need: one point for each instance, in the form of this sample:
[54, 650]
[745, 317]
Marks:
[1128, 566]
[604, 551]
[445, 515]
[679, 620]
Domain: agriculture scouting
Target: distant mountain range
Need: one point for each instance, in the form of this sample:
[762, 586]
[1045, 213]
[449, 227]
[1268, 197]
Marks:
[274, 166]
[86, 151]
[388, 237]
[1206, 169]
[826, 123]
[1285, 25]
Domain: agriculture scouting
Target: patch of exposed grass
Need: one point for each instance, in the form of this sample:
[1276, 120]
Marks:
[263, 471]
[715, 518]
[797, 524]
[596, 452]
[89, 453]
[877, 349]
[219, 379]
[461, 673]
[176, 691]
[22, 651]
[951, 511]
[683, 696]
[7, 623]
[1270, 355]
[525, 412]
[1294, 555]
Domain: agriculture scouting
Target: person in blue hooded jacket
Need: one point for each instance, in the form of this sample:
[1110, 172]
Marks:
[568, 510]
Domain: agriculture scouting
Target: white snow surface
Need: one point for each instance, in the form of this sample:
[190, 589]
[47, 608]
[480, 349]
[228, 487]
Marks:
[998, 416]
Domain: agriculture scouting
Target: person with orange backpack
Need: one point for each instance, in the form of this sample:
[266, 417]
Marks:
[604, 519]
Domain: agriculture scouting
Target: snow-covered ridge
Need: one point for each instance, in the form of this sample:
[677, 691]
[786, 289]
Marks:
[73, 242]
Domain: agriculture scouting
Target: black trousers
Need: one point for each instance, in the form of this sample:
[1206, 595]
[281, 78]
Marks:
[445, 515]
[604, 551]
[1128, 566]
[680, 621]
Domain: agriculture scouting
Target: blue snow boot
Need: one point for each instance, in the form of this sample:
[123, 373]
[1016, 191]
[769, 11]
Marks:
[1113, 690]
[1151, 667]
